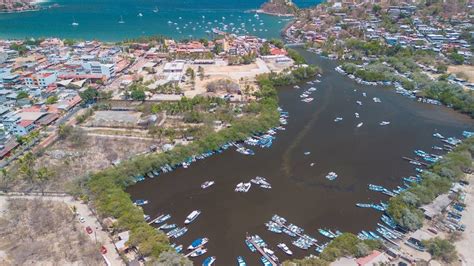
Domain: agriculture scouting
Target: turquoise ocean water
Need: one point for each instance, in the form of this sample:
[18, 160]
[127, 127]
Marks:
[99, 19]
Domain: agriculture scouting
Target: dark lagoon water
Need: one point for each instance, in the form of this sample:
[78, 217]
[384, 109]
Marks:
[301, 193]
[98, 19]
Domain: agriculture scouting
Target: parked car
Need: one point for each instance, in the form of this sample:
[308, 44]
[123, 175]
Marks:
[103, 250]
[82, 220]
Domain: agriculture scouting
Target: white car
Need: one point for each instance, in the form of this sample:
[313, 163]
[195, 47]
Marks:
[81, 219]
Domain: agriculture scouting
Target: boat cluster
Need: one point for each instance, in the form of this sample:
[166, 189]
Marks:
[432, 158]
[305, 95]
[258, 180]
[279, 225]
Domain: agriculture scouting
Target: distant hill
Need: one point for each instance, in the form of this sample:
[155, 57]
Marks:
[279, 8]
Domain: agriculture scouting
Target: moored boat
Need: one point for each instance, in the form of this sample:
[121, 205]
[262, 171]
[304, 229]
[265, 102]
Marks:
[209, 261]
[241, 261]
[198, 252]
[207, 184]
[192, 216]
[198, 242]
[285, 249]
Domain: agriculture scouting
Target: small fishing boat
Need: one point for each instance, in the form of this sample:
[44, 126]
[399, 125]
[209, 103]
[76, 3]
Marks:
[285, 249]
[140, 202]
[359, 102]
[307, 153]
[209, 261]
[265, 261]
[250, 246]
[167, 226]
[198, 242]
[360, 124]
[121, 21]
[162, 218]
[192, 216]
[384, 123]
[140, 15]
[207, 184]
[155, 10]
[241, 261]
[337, 119]
[198, 252]
[356, 115]
[179, 248]
[326, 233]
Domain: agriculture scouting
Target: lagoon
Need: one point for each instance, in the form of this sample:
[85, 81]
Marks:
[300, 192]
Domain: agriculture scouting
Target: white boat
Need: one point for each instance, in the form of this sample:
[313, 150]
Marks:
[338, 119]
[74, 23]
[121, 21]
[384, 123]
[192, 216]
[360, 124]
[156, 10]
[285, 248]
[356, 115]
[207, 184]
[359, 102]
[246, 187]
[140, 15]
[198, 243]
[198, 252]
[331, 176]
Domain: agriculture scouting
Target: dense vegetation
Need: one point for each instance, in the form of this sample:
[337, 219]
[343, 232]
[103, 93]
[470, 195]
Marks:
[346, 244]
[401, 65]
[106, 188]
[436, 181]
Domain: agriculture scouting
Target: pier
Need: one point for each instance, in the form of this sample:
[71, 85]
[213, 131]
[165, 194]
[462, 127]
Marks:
[415, 160]
[158, 217]
[260, 250]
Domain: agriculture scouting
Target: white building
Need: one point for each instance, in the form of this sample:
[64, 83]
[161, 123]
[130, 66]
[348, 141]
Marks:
[41, 80]
[107, 70]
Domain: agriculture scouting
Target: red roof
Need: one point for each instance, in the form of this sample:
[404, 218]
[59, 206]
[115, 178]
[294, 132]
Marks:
[277, 51]
[25, 123]
[367, 259]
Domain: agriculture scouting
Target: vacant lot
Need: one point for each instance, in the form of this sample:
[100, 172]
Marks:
[70, 160]
[41, 232]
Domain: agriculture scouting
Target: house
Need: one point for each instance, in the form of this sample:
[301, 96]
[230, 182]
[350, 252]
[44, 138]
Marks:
[375, 258]
[121, 244]
[23, 127]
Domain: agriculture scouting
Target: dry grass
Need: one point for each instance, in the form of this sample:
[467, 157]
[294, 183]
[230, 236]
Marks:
[37, 232]
[464, 71]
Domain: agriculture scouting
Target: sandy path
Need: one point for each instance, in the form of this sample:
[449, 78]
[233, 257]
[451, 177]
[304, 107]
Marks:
[464, 245]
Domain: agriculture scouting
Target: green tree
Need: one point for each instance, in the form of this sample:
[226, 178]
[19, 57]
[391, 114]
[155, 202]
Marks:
[22, 95]
[89, 95]
[138, 94]
[265, 49]
[52, 99]
[43, 175]
[5, 179]
[441, 249]
[456, 58]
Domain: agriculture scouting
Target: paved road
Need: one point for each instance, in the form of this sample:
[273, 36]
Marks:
[83, 210]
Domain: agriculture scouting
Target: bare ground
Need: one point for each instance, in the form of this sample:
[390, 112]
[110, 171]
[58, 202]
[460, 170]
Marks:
[42, 232]
[70, 162]
[466, 70]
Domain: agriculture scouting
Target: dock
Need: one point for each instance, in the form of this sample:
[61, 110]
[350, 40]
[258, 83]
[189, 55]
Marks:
[157, 217]
[415, 160]
[260, 250]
